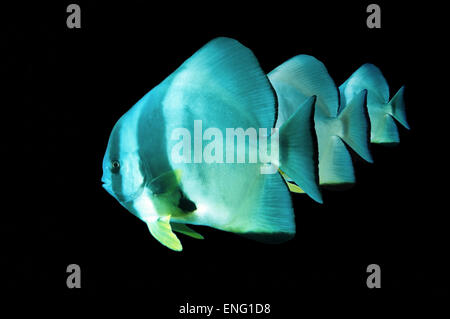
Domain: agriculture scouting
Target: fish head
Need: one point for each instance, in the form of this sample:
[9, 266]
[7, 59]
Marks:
[123, 173]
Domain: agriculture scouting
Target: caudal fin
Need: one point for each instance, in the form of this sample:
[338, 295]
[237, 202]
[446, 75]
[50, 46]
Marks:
[397, 107]
[298, 156]
[355, 125]
[384, 128]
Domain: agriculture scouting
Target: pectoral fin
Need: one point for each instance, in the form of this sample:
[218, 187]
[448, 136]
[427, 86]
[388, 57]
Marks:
[293, 187]
[160, 229]
[183, 229]
[166, 182]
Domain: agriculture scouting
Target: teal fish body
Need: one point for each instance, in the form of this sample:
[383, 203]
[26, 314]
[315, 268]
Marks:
[383, 112]
[337, 125]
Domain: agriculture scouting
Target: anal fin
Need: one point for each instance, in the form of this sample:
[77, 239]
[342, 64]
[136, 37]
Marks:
[184, 229]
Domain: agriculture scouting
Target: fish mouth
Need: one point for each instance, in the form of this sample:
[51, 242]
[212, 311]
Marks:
[108, 188]
[106, 183]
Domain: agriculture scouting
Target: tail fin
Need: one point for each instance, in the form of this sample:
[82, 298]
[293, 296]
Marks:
[384, 129]
[355, 125]
[298, 158]
[397, 107]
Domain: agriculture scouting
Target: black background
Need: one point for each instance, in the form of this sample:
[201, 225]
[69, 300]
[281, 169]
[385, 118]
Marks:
[67, 87]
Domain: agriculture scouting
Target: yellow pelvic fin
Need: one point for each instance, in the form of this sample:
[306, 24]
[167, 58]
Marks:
[294, 188]
[184, 229]
[291, 184]
[161, 230]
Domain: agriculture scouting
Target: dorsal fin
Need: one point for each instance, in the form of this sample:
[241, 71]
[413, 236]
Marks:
[368, 77]
[309, 76]
[229, 72]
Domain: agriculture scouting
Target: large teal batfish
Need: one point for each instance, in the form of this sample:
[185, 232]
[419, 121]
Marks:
[222, 85]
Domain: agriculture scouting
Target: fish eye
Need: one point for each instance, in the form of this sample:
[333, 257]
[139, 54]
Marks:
[115, 166]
